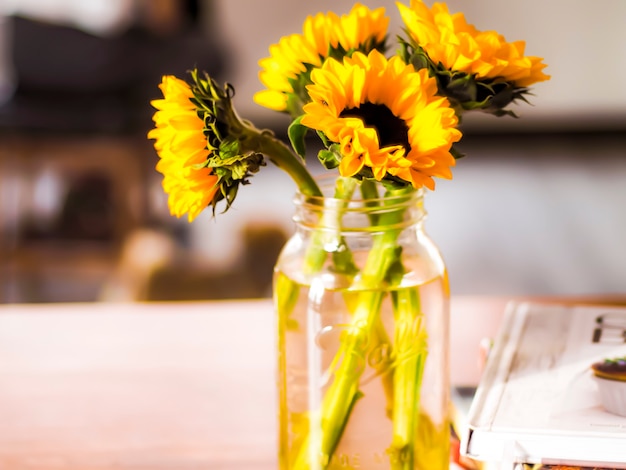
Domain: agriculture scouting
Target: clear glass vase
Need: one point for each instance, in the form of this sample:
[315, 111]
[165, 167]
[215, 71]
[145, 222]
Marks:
[362, 303]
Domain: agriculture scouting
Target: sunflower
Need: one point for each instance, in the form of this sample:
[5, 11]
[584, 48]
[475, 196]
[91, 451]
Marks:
[207, 151]
[182, 149]
[448, 39]
[476, 70]
[384, 118]
[286, 71]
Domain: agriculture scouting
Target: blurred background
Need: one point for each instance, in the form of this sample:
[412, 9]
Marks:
[535, 208]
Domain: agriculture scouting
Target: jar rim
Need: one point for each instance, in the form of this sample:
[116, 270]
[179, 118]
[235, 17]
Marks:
[358, 213]
[327, 183]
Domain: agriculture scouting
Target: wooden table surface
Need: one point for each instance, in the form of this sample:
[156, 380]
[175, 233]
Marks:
[160, 385]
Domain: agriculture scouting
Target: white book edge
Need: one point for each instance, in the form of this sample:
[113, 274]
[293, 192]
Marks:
[487, 439]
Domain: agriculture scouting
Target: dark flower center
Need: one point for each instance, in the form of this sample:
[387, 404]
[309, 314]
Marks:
[391, 129]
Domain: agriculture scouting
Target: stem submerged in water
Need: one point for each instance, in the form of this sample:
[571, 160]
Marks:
[410, 345]
[339, 400]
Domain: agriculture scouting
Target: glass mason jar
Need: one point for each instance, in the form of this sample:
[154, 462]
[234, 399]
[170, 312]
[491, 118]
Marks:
[362, 307]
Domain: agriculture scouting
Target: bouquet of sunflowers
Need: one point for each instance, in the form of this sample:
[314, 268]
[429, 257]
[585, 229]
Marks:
[387, 119]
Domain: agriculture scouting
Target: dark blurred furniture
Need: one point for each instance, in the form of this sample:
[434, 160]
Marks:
[71, 81]
[81, 111]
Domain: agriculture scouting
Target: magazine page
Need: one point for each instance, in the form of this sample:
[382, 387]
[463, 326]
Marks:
[538, 400]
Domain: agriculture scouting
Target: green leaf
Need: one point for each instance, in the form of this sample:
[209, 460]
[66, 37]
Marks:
[297, 136]
[463, 88]
[343, 262]
[396, 269]
[239, 170]
[420, 60]
[329, 159]
[229, 148]
[340, 427]
[456, 153]
[327, 143]
[403, 49]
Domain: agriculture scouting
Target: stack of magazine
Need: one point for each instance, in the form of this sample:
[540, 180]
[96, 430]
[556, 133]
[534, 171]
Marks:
[537, 405]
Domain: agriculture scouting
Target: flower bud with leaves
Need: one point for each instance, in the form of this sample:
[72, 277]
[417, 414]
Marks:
[234, 154]
[207, 151]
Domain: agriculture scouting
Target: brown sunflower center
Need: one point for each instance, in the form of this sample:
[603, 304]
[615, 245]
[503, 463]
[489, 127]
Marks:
[391, 129]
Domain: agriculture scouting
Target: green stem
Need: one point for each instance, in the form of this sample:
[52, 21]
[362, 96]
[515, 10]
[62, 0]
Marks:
[343, 261]
[385, 367]
[282, 156]
[218, 104]
[410, 357]
[317, 450]
[285, 298]
[330, 223]
[340, 397]
[369, 191]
